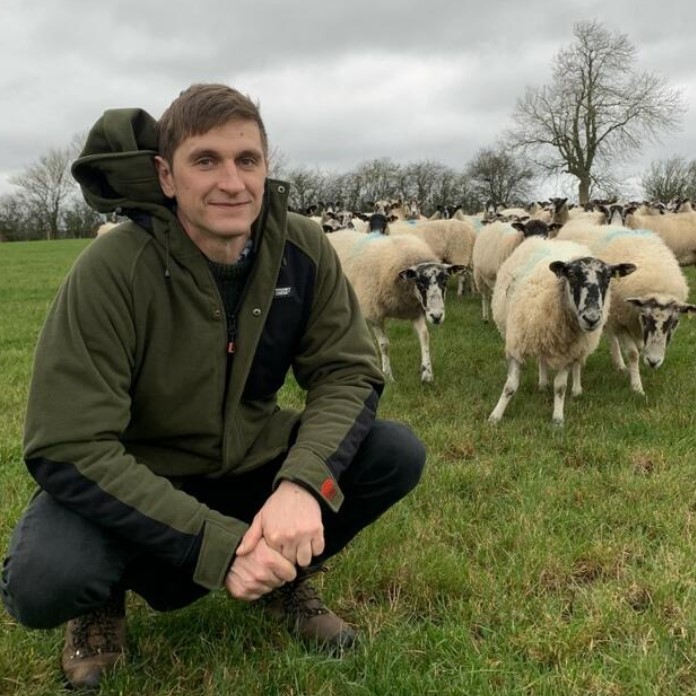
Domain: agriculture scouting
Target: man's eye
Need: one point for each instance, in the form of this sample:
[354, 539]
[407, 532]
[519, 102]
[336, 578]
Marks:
[205, 162]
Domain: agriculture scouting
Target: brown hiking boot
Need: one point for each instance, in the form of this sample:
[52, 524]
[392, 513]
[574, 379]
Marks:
[94, 644]
[298, 603]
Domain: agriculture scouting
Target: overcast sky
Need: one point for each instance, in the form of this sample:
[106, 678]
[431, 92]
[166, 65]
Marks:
[338, 83]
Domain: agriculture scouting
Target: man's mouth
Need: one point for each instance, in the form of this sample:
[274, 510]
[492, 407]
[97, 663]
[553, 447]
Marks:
[229, 204]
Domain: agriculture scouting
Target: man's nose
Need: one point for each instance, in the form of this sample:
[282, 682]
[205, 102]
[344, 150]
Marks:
[230, 180]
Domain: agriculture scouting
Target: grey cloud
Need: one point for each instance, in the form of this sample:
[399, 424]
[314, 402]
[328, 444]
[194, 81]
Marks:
[441, 77]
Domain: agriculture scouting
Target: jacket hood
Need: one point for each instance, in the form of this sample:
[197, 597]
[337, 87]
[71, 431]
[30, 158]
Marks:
[116, 169]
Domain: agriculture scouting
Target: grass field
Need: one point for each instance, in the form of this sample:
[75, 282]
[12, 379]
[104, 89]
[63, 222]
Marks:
[530, 559]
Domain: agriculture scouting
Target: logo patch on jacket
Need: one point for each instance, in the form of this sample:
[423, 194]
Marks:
[283, 292]
[328, 489]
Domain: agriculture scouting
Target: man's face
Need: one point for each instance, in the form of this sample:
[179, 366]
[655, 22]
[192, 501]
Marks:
[218, 180]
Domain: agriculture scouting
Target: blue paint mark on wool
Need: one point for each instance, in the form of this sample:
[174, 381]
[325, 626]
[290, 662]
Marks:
[608, 237]
[370, 237]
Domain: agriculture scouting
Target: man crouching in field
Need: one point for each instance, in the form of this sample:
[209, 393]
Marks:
[164, 463]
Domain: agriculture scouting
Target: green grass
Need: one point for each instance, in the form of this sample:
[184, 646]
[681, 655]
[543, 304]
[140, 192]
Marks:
[530, 559]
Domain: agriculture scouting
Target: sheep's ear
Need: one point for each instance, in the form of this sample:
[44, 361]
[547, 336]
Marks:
[636, 302]
[687, 309]
[518, 226]
[408, 274]
[620, 270]
[559, 268]
[456, 268]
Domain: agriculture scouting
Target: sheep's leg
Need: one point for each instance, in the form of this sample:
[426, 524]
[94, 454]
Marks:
[633, 355]
[485, 304]
[383, 345]
[421, 328]
[616, 357]
[577, 379]
[560, 384]
[511, 384]
[462, 283]
[543, 375]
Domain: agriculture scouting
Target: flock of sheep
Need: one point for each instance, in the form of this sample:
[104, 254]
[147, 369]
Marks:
[554, 278]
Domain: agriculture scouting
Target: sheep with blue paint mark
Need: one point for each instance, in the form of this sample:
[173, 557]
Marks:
[550, 303]
[395, 277]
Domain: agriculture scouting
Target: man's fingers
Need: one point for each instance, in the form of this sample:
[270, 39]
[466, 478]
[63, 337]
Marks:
[251, 538]
[317, 545]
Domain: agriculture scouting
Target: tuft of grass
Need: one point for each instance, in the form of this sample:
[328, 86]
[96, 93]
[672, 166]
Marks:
[529, 560]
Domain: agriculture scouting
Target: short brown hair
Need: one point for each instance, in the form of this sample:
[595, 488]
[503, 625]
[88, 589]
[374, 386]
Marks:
[201, 108]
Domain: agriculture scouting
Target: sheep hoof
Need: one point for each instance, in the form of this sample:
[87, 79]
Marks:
[557, 422]
[494, 420]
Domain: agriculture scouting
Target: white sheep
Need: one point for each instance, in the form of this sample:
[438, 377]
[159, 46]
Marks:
[493, 245]
[645, 306]
[550, 302]
[452, 241]
[395, 277]
[677, 230]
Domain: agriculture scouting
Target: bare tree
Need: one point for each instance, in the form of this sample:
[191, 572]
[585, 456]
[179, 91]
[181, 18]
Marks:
[375, 179]
[47, 186]
[499, 176]
[277, 162]
[421, 181]
[671, 178]
[598, 108]
[306, 187]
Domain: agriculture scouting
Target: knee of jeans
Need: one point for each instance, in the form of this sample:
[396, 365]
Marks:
[405, 455]
[41, 595]
[411, 464]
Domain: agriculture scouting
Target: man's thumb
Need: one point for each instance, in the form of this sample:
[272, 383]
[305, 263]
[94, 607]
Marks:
[251, 538]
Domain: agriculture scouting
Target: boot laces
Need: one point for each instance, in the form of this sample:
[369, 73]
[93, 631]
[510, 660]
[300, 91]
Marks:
[304, 600]
[97, 632]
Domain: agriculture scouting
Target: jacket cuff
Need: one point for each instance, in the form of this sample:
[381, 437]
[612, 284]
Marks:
[307, 470]
[221, 537]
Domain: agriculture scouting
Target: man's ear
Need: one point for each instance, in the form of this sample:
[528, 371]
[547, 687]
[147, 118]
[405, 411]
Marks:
[166, 180]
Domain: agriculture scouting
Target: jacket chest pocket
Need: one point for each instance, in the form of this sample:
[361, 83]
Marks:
[277, 346]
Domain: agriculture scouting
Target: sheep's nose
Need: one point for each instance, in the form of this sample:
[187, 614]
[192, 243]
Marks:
[591, 320]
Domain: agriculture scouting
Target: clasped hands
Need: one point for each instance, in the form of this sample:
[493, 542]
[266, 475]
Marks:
[285, 533]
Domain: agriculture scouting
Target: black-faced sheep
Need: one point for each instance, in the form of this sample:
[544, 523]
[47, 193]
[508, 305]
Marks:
[647, 305]
[550, 302]
[395, 278]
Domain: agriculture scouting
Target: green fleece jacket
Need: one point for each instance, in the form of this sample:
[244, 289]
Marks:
[133, 388]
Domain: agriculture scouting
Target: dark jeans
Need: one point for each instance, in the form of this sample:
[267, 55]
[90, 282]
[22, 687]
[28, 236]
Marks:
[61, 565]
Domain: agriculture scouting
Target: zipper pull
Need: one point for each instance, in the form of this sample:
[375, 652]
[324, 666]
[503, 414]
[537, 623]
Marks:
[231, 334]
